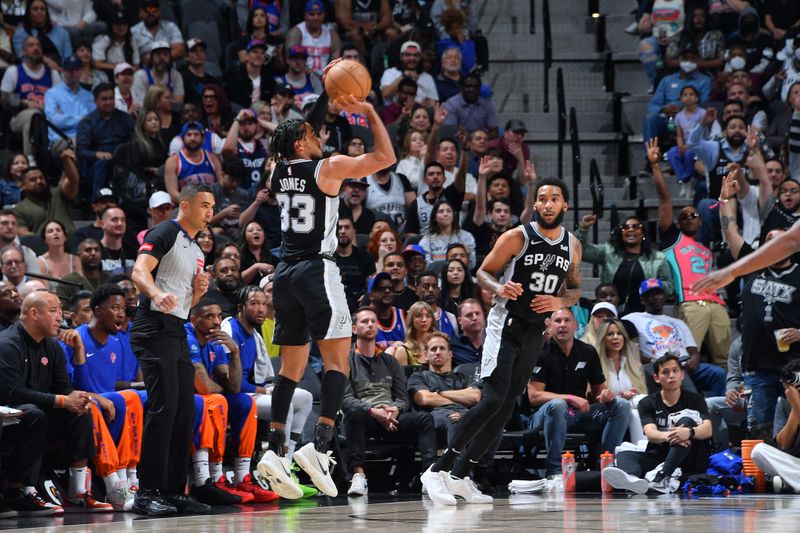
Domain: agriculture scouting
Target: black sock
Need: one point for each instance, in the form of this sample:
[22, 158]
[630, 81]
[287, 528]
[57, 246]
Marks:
[445, 462]
[333, 386]
[322, 437]
[275, 441]
[463, 467]
[282, 394]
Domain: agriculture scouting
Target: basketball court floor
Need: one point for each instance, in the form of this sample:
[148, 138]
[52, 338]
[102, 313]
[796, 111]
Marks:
[389, 514]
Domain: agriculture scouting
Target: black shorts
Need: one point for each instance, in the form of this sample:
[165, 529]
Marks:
[309, 300]
[509, 338]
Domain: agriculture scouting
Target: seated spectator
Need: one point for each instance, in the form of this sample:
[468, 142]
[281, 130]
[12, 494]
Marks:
[66, 104]
[500, 217]
[660, 334]
[57, 262]
[512, 147]
[91, 275]
[217, 112]
[160, 72]
[55, 40]
[678, 428]
[457, 285]
[99, 135]
[23, 88]
[414, 257]
[410, 163]
[626, 260]
[391, 111]
[438, 7]
[428, 291]
[90, 76]
[116, 46]
[457, 36]
[420, 120]
[229, 198]
[159, 209]
[381, 243]
[355, 264]
[159, 99]
[411, 352]
[352, 205]
[390, 195]
[666, 103]
[319, 41]
[10, 193]
[759, 44]
[663, 20]
[54, 410]
[559, 392]
[443, 230]
[731, 409]
[600, 312]
[699, 30]
[41, 203]
[376, 402]
[410, 55]
[12, 264]
[152, 30]
[258, 25]
[205, 240]
[253, 79]
[448, 82]
[622, 369]
[77, 17]
[755, 113]
[391, 319]
[681, 159]
[468, 110]
[10, 304]
[118, 251]
[364, 24]
[78, 310]
[468, 346]
[265, 210]
[257, 259]
[303, 80]
[446, 151]
[123, 98]
[193, 164]
[282, 105]
[8, 236]
[195, 78]
[268, 326]
[394, 264]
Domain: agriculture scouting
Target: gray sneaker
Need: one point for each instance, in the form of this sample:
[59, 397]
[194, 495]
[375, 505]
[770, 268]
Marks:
[619, 479]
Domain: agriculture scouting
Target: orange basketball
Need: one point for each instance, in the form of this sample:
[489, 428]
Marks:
[348, 77]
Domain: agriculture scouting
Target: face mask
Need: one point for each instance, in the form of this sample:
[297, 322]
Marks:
[737, 63]
[688, 66]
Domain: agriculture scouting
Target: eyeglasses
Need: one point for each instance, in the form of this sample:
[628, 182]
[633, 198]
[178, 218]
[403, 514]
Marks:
[689, 216]
[631, 226]
[788, 191]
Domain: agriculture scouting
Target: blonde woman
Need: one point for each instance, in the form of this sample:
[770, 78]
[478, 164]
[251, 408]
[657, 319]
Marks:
[622, 369]
[419, 325]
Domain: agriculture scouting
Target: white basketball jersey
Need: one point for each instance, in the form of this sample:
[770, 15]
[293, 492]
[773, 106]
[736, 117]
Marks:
[391, 202]
[318, 48]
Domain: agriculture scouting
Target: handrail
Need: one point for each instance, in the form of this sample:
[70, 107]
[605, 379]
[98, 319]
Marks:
[562, 120]
[548, 56]
[576, 159]
[532, 27]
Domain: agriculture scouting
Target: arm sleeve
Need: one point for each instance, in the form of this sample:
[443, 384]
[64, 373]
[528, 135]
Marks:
[416, 383]
[686, 334]
[60, 383]
[399, 392]
[592, 253]
[316, 117]
[596, 376]
[540, 370]
[706, 151]
[647, 411]
[158, 241]
[83, 140]
[412, 219]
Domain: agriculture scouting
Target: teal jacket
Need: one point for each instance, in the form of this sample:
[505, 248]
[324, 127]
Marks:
[605, 255]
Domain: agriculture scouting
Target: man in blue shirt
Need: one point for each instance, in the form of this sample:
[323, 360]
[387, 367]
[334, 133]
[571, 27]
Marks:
[666, 101]
[468, 347]
[66, 104]
[468, 110]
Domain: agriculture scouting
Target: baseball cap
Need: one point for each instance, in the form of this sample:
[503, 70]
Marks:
[159, 45]
[256, 43]
[194, 41]
[189, 126]
[266, 280]
[297, 50]
[356, 181]
[105, 192]
[410, 44]
[413, 249]
[151, 3]
[309, 100]
[516, 125]
[604, 305]
[119, 18]
[159, 198]
[284, 88]
[313, 6]
[376, 278]
[72, 63]
[649, 285]
[122, 67]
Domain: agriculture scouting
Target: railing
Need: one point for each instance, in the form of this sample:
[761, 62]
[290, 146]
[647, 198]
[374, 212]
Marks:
[598, 203]
[562, 120]
[576, 160]
[532, 28]
[548, 56]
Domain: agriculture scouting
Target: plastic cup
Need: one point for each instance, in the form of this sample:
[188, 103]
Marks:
[782, 346]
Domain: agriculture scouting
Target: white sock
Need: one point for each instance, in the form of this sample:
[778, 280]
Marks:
[200, 471]
[241, 467]
[216, 471]
[77, 481]
[290, 447]
[28, 490]
[111, 481]
[122, 474]
[133, 476]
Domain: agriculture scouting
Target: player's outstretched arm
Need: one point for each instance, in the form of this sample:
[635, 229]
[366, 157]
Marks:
[508, 246]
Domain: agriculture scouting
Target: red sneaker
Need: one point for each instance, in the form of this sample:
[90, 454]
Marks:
[85, 503]
[227, 486]
[260, 495]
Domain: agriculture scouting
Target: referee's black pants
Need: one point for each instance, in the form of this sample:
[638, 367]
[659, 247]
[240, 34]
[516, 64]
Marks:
[159, 342]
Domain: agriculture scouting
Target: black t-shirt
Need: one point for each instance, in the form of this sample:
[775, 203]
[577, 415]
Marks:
[653, 410]
[340, 133]
[363, 225]
[784, 13]
[437, 382]
[118, 261]
[193, 85]
[485, 236]
[404, 300]
[412, 215]
[568, 375]
[355, 269]
[228, 301]
[86, 232]
[627, 279]
[269, 216]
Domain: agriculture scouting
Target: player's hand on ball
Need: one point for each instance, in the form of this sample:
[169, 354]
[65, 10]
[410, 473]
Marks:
[348, 102]
[546, 304]
[165, 301]
[510, 290]
[329, 66]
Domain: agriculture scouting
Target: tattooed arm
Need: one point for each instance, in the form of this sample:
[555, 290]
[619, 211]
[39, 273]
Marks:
[727, 216]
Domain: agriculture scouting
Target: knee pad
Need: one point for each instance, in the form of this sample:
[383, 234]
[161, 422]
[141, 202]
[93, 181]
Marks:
[333, 386]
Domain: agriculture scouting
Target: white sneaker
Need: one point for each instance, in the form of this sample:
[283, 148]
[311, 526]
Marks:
[619, 479]
[632, 29]
[119, 498]
[665, 485]
[358, 485]
[278, 474]
[436, 485]
[466, 489]
[555, 483]
[318, 466]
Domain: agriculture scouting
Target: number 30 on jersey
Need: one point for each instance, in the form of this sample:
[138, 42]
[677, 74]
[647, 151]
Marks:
[543, 283]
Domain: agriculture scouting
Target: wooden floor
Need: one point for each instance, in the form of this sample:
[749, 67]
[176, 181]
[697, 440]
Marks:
[553, 512]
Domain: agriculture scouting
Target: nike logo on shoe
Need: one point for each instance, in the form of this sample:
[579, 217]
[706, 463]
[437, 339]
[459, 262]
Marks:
[321, 467]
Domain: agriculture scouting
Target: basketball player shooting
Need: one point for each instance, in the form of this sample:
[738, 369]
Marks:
[540, 265]
[308, 293]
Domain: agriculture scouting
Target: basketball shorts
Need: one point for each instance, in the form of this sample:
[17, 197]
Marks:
[509, 338]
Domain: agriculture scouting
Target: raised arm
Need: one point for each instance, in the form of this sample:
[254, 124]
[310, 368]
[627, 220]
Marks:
[439, 114]
[664, 198]
[460, 179]
[71, 179]
[530, 196]
[479, 213]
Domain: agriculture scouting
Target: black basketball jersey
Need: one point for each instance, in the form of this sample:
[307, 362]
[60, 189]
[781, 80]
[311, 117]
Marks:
[308, 215]
[540, 268]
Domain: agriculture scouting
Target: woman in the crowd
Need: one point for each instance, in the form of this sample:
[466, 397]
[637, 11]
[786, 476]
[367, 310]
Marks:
[382, 243]
[419, 325]
[91, 77]
[419, 120]
[456, 283]
[257, 259]
[622, 369]
[116, 46]
[206, 241]
[10, 193]
[257, 28]
[217, 113]
[411, 164]
[626, 260]
[697, 31]
[56, 262]
[55, 41]
[444, 230]
[159, 99]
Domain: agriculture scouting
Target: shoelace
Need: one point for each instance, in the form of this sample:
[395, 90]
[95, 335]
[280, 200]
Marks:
[41, 502]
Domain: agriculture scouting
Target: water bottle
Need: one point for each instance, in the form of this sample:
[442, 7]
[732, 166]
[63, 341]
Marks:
[671, 124]
[606, 460]
[568, 471]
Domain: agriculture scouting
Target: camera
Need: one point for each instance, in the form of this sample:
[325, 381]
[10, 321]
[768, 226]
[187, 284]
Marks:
[790, 373]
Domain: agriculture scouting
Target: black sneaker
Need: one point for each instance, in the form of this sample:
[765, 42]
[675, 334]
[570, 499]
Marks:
[149, 502]
[211, 495]
[5, 510]
[28, 505]
[187, 505]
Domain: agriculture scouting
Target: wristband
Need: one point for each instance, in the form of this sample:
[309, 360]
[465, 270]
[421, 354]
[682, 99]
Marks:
[60, 401]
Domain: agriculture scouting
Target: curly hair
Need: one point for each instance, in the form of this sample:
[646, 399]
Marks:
[284, 137]
[375, 242]
[616, 238]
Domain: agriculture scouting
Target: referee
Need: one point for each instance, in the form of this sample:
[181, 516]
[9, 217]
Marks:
[170, 277]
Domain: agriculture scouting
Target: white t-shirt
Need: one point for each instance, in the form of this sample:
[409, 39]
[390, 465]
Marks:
[105, 50]
[751, 224]
[167, 31]
[470, 183]
[659, 334]
[426, 86]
